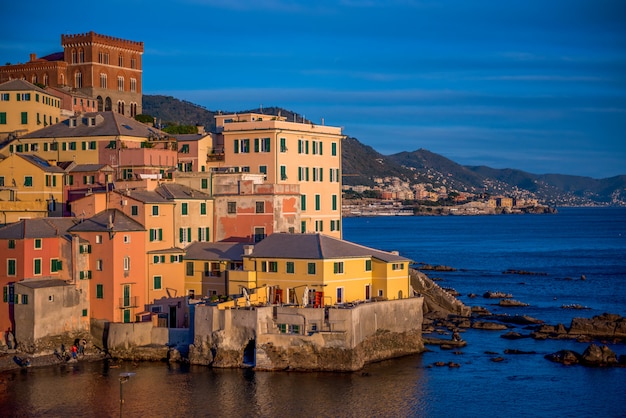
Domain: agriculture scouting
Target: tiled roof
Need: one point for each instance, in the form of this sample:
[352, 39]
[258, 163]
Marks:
[41, 163]
[100, 222]
[180, 191]
[42, 283]
[168, 251]
[215, 251]
[21, 85]
[316, 247]
[81, 168]
[145, 196]
[107, 124]
[191, 137]
[55, 56]
[37, 228]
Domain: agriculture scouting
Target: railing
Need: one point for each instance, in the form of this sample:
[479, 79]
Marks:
[129, 302]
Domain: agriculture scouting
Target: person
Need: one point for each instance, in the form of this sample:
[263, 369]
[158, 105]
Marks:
[10, 339]
[74, 351]
[81, 346]
[456, 336]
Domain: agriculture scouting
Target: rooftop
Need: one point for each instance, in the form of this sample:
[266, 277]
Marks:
[106, 221]
[215, 251]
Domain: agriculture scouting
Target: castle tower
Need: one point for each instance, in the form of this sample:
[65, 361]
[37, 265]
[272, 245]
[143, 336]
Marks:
[107, 69]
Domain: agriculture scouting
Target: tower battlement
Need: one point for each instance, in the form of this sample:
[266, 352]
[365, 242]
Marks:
[92, 37]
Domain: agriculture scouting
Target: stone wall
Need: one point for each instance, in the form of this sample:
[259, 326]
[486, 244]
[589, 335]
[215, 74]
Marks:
[327, 339]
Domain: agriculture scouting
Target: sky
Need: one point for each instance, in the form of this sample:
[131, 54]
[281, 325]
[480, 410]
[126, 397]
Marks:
[538, 86]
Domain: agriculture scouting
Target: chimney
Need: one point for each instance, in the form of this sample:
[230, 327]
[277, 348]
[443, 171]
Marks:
[110, 224]
[247, 249]
[33, 57]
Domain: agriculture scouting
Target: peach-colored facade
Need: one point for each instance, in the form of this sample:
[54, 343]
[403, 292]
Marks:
[117, 267]
[289, 153]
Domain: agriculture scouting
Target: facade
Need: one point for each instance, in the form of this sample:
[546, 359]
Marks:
[196, 150]
[33, 179]
[85, 179]
[117, 265]
[207, 267]
[289, 153]
[104, 68]
[36, 249]
[48, 307]
[131, 148]
[318, 270]
[25, 108]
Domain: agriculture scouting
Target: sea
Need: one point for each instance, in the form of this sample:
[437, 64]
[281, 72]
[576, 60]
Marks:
[576, 257]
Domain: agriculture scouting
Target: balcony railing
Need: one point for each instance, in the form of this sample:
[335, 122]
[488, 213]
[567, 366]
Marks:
[129, 302]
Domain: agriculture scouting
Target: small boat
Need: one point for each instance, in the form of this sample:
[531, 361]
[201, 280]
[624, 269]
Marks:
[21, 361]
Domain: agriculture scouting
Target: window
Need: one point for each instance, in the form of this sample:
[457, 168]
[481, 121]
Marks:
[184, 235]
[283, 145]
[99, 291]
[37, 266]
[260, 207]
[126, 239]
[133, 85]
[157, 282]
[259, 234]
[155, 210]
[318, 200]
[303, 226]
[24, 116]
[263, 169]
[55, 265]
[156, 234]
[340, 295]
[120, 84]
[103, 81]
[120, 61]
[3, 118]
[283, 172]
[85, 249]
[24, 299]
[85, 275]
[11, 267]
[263, 266]
[78, 80]
[98, 239]
[397, 266]
[203, 234]
[205, 183]
[38, 243]
[273, 266]
[338, 267]
[184, 208]
[311, 268]
[189, 268]
[134, 210]
[261, 145]
[5, 97]
[319, 226]
[158, 259]
[126, 263]
[333, 149]
[290, 267]
[11, 244]
[99, 265]
[232, 207]
[368, 265]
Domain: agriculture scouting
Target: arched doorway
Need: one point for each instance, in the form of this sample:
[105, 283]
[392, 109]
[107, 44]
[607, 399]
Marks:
[100, 104]
[108, 106]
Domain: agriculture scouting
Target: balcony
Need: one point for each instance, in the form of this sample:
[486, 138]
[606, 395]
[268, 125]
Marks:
[129, 302]
[216, 155]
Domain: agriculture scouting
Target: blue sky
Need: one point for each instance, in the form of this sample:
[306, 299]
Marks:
[533, 85]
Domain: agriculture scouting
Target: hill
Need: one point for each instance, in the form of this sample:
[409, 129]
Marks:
[362, 164]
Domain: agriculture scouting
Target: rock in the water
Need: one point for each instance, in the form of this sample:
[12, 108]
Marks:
[599, 356]
[492, 326]
[566, 357]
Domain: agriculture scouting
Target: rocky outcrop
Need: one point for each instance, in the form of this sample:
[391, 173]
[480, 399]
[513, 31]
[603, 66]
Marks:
[605, 326]
[436, 299]
[593, 356]
[497, 295]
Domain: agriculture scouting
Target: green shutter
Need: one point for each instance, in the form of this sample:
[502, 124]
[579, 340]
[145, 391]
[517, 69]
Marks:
[236, 142]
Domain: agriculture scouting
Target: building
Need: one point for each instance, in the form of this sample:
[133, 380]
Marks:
[196, 150]
[288, 153]
[32, 179]
[318, 270]
[33, 249]
[207, 266]
[131, 148]
[102, 67]
[116, 271]
[25, 108]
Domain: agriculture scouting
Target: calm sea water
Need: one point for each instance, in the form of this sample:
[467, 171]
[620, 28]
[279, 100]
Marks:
[575, 242]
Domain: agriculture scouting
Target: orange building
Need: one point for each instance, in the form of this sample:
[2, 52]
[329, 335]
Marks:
[117, 265]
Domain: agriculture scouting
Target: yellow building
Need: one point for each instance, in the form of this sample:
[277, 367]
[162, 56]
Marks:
[288, 153]
[128, 146]
[32, 179]
[208, 266]
[25, 108]
[318, 270]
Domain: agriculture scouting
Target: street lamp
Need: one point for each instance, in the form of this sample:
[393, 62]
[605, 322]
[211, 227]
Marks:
[124, 377]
